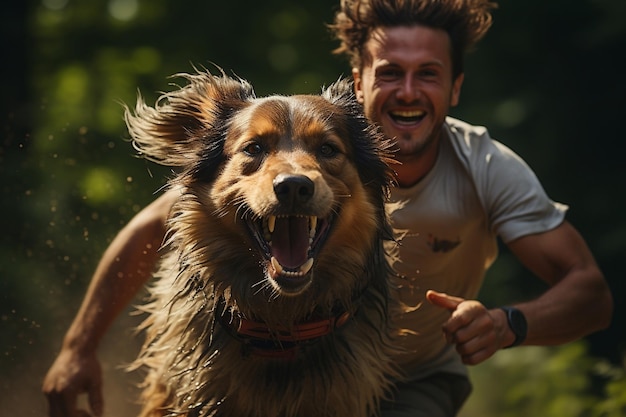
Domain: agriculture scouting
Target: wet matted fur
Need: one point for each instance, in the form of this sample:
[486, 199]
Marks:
[273, 298]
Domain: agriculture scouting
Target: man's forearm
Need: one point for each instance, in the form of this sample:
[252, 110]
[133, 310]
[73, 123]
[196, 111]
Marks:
[588, 309]
[123, 270]
[578, 301]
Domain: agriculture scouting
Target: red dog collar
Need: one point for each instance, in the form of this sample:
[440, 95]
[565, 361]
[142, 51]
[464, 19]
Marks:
[299, 332]
[280, 341]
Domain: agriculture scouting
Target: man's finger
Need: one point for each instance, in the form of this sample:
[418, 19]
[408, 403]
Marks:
[96, 402]
[443, 300]
[61, 405]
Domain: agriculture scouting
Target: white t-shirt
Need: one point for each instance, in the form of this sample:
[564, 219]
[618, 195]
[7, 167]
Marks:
[447, 227]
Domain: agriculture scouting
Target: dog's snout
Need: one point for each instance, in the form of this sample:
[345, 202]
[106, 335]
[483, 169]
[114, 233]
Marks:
[293, 190]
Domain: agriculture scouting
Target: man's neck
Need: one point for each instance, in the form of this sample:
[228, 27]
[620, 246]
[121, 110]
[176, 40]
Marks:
[410, 170]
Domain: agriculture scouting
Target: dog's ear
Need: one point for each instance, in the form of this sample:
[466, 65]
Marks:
[372, 150]
[176, 130]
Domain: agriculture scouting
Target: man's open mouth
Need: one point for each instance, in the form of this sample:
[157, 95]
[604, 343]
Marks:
[407, 117]
[289, 245]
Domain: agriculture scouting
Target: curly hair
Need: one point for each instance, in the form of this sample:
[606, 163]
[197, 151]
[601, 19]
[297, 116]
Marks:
[465, 21]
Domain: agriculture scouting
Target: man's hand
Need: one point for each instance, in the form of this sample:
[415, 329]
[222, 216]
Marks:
[72, 375]
[476, 331]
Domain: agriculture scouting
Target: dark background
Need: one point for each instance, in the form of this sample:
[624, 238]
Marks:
[548, 81]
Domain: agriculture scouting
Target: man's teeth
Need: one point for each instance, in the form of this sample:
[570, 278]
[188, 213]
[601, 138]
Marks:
[303, 270]
[408, 113]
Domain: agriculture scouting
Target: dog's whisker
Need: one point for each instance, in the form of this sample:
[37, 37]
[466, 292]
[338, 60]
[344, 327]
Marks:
[220, 212]
[274, 295]
[240, 214]
[263, 288]
[239, 203]
[264, 285]
[260, 286]
[260, 282]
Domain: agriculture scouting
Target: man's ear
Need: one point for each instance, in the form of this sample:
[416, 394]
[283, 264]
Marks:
[358, 90]
[456, 90]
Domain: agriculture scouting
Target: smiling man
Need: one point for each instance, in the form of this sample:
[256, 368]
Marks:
[458, 192]
[406, 85]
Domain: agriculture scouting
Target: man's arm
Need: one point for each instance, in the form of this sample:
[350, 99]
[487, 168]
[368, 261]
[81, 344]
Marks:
[577, 303]
[124, 268]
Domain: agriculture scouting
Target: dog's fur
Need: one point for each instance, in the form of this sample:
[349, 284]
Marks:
[242, 161]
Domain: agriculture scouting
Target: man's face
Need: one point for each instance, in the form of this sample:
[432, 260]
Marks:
[406, 85]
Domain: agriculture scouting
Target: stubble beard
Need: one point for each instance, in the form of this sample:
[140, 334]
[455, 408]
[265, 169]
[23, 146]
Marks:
[407, 148]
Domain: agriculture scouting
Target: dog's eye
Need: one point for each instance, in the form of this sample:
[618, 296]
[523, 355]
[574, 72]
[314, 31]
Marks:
[253, 149]
[328, 150]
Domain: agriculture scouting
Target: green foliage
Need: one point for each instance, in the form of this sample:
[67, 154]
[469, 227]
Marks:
[547, 382]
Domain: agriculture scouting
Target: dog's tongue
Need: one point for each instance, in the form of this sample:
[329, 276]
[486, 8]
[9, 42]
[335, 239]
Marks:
[290, 241]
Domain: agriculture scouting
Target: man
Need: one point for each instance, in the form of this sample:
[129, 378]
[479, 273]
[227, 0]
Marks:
[457, 192]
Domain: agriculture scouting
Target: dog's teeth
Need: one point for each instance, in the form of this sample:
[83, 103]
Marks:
[312, 226]
[304, 269]
[271, 223]
[277, 266]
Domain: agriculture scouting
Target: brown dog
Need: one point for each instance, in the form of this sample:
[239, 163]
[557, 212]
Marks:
[273, 300]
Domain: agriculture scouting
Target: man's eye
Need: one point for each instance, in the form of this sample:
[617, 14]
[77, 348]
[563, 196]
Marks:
[253, 149]
[389, 74]
[429, 73]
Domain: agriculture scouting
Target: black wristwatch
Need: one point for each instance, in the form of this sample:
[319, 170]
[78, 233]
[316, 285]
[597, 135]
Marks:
[517, 323]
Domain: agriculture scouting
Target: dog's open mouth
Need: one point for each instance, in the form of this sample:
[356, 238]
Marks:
[289, 244]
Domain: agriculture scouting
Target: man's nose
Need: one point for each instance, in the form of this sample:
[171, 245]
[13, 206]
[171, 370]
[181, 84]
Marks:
[408, 91]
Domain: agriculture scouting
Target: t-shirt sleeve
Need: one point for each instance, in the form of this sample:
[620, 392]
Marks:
[514, 200]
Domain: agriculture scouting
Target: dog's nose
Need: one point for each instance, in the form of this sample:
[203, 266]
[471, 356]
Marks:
[292, 190]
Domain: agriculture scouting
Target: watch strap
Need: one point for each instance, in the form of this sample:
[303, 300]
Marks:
[517, 324]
